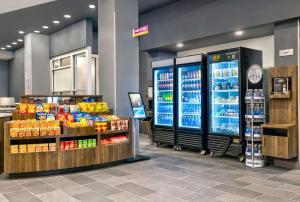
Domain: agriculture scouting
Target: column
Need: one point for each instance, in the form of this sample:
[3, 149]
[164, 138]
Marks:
[36, 64]
[118, 52]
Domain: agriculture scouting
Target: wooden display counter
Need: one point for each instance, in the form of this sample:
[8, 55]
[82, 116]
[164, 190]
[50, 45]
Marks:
[15, 163]
[280, 135]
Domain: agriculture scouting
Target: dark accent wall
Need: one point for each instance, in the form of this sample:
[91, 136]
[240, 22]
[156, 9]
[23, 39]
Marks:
[3, 78]
[194, 19]
[286, 37]
[73, 37]
[16, 75]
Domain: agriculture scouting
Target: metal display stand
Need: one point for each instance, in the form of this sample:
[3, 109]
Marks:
[255, 116]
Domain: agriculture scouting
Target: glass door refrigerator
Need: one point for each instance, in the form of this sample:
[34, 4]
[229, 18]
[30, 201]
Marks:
[227, 72]
[163, 105]
[191, 102]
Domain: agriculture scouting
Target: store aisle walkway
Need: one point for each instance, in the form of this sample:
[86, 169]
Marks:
[168, 176]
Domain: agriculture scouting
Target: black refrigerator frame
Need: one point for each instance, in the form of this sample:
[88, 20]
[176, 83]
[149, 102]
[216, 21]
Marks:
[218, 143]
[163, 134]
[189, 137]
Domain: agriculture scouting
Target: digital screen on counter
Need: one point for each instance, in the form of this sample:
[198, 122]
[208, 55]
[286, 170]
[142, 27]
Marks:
[137, 105]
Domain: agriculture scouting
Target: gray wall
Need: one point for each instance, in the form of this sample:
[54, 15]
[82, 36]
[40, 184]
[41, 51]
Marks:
[194, 19]
[40, 64]
[71, 38]
[286, 37]
[3, 78]
[16, 75]
[95, 43]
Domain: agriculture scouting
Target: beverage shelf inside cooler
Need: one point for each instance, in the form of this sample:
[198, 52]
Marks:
[185, 91]
[225, 103]
[191, 114]
[196, 79]
[226, 91]
[165, 80]
[227, 117]
[192, 127]
[225, 77]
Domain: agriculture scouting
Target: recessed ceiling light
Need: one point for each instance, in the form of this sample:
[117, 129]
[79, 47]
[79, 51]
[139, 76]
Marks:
[21, 32]
[239, 33]
[8, 46]
[179, 45]
[45, 27]
[20, 40]
[92, 6]
[3, 48]
[36, 31]
[14, 43]
[56, 22]
[67, 16]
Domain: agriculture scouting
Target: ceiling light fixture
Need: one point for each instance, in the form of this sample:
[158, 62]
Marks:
[92, 6]
[45, 27]
[21, 32]
[8, 46]
[67, 16]
[36, 31]
[179, 45]
[56, 22]
[239, 33]
[20, 40]
[14, 43]
[3, 48]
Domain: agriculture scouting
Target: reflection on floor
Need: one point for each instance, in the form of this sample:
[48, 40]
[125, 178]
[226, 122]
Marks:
[168, 176]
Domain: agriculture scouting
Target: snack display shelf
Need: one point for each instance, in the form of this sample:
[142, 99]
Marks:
[70, 150]
[59, 160]
[30, 153]
[34, 137]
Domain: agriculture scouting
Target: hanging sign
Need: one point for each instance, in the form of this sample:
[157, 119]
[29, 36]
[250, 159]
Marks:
[255, 73]
[140, 31]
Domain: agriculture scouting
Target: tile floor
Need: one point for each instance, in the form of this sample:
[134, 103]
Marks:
[168, 177]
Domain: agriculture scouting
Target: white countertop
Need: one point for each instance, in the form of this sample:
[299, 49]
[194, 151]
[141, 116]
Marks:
[2, 115]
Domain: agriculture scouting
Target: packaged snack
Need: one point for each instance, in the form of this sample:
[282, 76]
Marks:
[23, 109]
[14, 124]
[35, 132]
[39, 108]
[45, 147]
[43, 124]
[67, 145]
[74, 108]
[62, 146]
[41, 116]
[70, 117]
[50, 131]
[14, 132]
[31, 148]
[71, 145]
[94, 144]
[14, 149]
[52, 147]
[83, 107]
[79, 144]
[28, 132]
[66, 108]
[61, 109]
[46, 107]
[56, 131]
[31, 108]
[23, 148]
[53, 108]
[22, 124]
[90, 143]
[56, 124]
[50, 117]
[43, 131]
[84, 143]
[38, 148]
[22, 132]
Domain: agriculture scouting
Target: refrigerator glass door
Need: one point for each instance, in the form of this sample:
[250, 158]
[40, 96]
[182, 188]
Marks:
[163, 97]
[224, 97]
[189, 97]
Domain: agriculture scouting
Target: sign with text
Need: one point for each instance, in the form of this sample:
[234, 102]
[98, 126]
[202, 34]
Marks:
[140, 31]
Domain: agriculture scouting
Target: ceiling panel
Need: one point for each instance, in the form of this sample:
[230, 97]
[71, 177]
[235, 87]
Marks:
[148, 5]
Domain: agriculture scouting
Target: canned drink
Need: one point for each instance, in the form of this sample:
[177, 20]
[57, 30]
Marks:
[80, 145]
